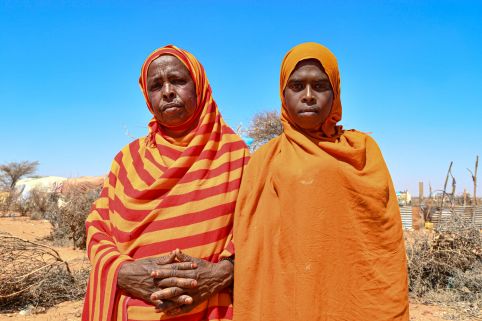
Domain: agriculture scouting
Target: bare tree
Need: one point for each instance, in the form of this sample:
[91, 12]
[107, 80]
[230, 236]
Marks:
[12, 172]
[264, 127]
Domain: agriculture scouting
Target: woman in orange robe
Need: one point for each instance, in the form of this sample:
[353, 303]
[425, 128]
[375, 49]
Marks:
[317, 230]
[174, 189]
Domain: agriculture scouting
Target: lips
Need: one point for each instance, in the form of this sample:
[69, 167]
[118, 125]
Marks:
[171, 105]
[310, 110]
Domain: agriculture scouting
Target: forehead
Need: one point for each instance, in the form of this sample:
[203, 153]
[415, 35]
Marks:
[166, 64]
[309, 67]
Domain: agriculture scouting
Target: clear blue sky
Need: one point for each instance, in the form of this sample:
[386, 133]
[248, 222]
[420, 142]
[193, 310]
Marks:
[411, 74]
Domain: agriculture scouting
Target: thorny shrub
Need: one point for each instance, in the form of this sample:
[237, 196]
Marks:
[446, 263]
[68, 218]
[40, 204]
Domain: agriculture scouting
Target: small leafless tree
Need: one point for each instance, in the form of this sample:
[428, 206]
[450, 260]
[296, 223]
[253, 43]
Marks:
[12, 172]
[264, 127]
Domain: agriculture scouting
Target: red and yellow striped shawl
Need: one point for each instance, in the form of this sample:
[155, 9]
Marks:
[160, 196]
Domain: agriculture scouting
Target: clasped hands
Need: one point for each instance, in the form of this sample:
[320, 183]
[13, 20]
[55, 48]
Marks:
[175, 283]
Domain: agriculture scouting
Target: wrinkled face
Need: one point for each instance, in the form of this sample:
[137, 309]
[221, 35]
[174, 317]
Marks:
[308, 95]
[171, 91]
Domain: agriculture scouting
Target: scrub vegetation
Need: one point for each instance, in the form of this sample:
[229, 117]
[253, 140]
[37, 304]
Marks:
[445, 265]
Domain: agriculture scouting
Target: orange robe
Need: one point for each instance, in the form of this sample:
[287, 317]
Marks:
[317, 230]
[161, 195]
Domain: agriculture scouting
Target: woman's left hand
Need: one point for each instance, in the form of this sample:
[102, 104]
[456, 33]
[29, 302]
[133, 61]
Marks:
[210, 278]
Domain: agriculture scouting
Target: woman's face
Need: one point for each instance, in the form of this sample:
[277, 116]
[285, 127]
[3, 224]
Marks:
[308, 95]
[171, 91]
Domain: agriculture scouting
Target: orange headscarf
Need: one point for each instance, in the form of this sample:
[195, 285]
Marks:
[318, 232]
[329, 131]
[164, 194]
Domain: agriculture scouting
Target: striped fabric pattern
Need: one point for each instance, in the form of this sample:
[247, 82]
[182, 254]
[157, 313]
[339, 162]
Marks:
[160, 196]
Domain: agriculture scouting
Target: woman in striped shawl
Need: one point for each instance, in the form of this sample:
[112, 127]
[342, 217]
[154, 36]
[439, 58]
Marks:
[159, 236]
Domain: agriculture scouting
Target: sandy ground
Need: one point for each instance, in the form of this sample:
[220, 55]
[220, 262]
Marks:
[71, 311]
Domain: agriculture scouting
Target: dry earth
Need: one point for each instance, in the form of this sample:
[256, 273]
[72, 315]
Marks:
[71, 311]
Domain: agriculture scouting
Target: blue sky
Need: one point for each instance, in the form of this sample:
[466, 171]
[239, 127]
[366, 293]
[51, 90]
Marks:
[411, 73]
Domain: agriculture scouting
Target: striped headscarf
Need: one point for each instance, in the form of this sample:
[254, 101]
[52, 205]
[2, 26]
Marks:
[160, 196]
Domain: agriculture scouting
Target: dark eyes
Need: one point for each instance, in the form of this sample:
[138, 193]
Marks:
[318, 86]
[178, 81]
[173, 81]
[296, 86]
[155, 87]
[321, 86]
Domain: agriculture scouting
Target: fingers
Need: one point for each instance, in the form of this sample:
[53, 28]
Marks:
[183, 257]
[166, 259]
[177, 282]
[174, 273]
[166, 294]
[165, 306]
[183, 299]
[180, 309]
[174, 304]
[180, 266]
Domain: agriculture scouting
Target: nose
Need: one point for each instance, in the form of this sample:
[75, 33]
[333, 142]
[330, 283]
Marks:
[168, 93]
[308, 97]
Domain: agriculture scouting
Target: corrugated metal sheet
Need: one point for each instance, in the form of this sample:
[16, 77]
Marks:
[469, 213]
[477, 217]
[441, 217]
[406, 213]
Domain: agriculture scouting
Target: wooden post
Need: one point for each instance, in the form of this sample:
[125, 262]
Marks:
[465, 197]
[475, 179]
[420, 193]
[444, 192]
[445, 184]
[430, 204]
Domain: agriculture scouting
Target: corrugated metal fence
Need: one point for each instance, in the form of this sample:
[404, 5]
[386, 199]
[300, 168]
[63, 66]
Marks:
[406, 212]
[470, 214]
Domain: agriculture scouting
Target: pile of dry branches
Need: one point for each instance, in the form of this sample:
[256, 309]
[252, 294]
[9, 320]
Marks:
[34, 274]
[447, 260]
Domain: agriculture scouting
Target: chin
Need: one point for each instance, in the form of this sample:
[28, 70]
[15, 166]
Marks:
[172, 121]
[308, 121]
